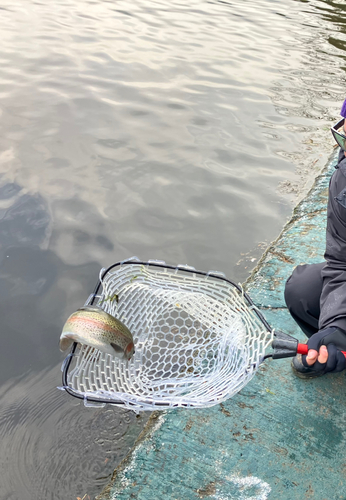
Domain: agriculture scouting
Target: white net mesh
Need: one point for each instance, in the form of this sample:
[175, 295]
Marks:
[197, 342]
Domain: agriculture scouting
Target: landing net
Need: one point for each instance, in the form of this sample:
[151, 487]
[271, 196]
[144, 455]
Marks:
[198, 339]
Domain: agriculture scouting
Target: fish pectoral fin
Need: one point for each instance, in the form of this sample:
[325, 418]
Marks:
[66, 342]
[117, 348]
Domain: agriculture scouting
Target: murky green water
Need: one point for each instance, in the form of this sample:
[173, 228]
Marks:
[176, 131]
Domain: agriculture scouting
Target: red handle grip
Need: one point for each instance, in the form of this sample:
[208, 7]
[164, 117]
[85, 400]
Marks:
[303, 349]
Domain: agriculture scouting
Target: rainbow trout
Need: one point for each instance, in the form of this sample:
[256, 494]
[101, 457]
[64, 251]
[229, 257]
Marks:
[92, 326]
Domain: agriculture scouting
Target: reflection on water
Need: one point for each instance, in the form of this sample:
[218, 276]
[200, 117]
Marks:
[173, 131]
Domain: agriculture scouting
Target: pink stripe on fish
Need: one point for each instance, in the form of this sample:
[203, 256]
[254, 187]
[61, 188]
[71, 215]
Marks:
[94, 322]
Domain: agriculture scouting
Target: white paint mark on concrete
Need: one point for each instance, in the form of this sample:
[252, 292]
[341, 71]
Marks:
[250, 488]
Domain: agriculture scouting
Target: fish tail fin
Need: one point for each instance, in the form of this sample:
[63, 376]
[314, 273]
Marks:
[65, 342]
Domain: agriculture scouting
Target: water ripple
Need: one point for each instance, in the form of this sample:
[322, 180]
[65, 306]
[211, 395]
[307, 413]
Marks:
[53, 448]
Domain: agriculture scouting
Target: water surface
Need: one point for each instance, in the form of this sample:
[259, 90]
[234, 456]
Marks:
[180, 131]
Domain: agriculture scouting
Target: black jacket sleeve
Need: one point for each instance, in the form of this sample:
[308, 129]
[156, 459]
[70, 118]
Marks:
[333, 297]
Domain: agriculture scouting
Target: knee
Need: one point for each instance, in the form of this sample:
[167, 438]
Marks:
[291, 292]
[295, 287]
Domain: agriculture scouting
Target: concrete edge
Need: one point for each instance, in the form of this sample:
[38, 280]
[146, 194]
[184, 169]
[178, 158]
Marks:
[296, 214]
[150, 427]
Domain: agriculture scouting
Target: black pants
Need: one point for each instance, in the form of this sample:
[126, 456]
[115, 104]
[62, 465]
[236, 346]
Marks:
[302, 295]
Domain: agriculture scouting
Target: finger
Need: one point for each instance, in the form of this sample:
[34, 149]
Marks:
[323, 354]
[312, 356]
[336, 360]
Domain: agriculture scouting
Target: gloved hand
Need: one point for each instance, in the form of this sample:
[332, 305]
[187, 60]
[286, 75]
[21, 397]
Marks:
[335, 340]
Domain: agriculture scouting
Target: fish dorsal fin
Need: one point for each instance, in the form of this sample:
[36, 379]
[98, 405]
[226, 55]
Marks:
[66, 342]
[92, 308]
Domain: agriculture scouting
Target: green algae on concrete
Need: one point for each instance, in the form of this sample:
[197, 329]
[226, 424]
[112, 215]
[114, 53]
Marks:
[280, 437]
